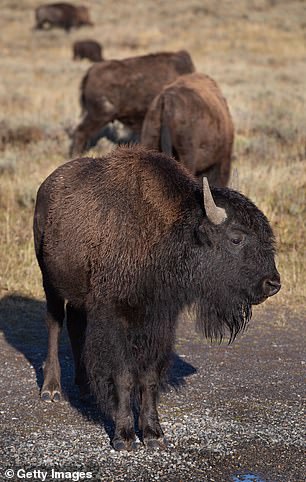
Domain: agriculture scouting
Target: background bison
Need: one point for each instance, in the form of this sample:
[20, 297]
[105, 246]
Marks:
[190, 120]
[87, 49]
[123, 90]
[62, 15]
[129, 240]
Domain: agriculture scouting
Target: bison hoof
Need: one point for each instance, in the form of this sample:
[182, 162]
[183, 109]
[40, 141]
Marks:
[121, 445]
[50, 395]
[156, 443]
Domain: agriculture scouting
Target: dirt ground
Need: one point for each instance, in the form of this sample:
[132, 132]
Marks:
[231, 413]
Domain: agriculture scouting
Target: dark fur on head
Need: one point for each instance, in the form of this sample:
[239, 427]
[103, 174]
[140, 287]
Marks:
[226, 297]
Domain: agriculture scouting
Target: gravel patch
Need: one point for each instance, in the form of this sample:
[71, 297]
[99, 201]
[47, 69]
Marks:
[231, 412]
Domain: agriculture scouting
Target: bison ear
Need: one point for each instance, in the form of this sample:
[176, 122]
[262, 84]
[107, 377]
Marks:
[215, 214]
[234, 182]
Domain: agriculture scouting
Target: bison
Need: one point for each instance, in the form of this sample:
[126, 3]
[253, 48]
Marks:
[87, 49]
[123, 90]
[190, 120]
[124, 243]
[62, 15]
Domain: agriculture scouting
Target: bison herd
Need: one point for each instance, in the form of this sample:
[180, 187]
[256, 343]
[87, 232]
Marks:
[179, 112]
[127, 241]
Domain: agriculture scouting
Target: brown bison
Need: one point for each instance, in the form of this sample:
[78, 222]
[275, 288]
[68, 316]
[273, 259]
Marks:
[190, 120]
[62, 15]
[123, 90]
[124, 244]
[87, 49]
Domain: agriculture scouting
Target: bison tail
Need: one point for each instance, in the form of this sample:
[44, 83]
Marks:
[165, 134]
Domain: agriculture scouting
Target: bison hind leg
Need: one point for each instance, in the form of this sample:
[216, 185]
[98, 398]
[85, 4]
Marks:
[51, 389]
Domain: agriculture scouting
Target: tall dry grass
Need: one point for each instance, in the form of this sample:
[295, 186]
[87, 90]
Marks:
[254, 49]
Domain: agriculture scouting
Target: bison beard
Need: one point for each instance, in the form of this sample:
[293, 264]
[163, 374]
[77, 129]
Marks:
[229, 317]
[129, 241]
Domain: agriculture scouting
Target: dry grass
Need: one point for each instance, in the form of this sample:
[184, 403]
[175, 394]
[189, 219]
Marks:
[254, 49]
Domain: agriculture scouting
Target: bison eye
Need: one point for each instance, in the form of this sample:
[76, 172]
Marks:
[237, 239]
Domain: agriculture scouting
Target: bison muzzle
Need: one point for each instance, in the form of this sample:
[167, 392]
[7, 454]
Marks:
[126, 242]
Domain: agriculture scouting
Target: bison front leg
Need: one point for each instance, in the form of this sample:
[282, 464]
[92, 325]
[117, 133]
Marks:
[153, 436]
[124, 438]
[110, 379]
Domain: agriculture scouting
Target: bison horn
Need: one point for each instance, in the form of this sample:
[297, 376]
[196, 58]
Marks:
[215, 214]
[234, 182]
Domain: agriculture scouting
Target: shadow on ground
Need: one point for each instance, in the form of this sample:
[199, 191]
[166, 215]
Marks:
[22, 322]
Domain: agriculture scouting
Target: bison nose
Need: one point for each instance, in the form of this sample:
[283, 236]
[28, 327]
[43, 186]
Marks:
[271, 287]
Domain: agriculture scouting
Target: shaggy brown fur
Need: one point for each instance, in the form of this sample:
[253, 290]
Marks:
[87, 49]
[123, 90]
[130, 240]
[62, 15]
[190, 119]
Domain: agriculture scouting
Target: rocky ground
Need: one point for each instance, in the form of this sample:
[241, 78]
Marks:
[231, 413]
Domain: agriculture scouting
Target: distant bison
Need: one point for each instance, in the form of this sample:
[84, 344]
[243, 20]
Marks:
[124, 243]
[87, 49]
[62, 15]
[123, 90]
[190, 120]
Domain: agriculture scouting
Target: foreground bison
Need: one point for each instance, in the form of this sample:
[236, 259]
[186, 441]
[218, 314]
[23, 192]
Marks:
[62, 15]
[123, 90]
[87, 49]
[190, 120]
[128, 241]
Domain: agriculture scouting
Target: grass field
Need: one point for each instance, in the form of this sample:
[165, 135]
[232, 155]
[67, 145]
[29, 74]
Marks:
[255, 50]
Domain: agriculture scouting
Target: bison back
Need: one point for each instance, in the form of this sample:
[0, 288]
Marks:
[86, 211]
[130, 85]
